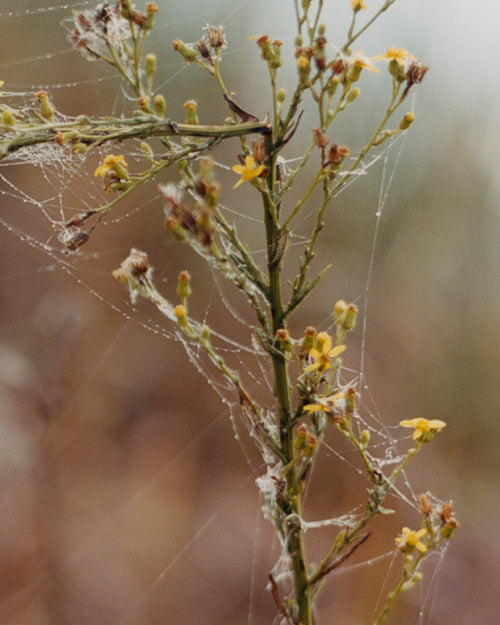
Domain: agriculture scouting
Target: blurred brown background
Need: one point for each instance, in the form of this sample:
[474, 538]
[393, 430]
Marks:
[124, 496]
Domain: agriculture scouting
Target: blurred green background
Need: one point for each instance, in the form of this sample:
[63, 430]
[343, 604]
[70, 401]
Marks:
[124, 495]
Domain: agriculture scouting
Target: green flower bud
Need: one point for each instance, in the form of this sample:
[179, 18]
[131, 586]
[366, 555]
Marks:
[205, 335]
[184, 285]
[8, 117]
[181, 314]
[188, 54]
[407, 121]
[352, 95]
[150, 65]
[160, 105]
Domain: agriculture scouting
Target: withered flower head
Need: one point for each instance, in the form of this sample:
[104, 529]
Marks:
[94, 30]
[215, 36]
[337, 153]
[447, 517]
[135, 267]
[320, 138]
[415, 74]
[259, 150]
[424, 504]
[204, 50]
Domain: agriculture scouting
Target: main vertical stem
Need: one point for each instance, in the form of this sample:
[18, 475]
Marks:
[293, 527]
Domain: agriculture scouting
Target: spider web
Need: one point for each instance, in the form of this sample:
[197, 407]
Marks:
[150, 557]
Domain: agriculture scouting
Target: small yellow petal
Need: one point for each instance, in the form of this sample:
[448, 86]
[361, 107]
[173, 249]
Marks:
[336, 351]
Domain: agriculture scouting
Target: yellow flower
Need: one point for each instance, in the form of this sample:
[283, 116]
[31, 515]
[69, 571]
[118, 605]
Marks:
[332, 405]
[359, 61]
[400, 55]
[424, 428]
[116, 163]
[357, 5]
[409, 540]
[248, 171]
[323, 353]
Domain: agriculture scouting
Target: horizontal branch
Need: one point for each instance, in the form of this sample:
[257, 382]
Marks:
[96, 132]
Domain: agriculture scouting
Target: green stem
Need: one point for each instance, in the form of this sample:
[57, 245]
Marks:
[292, 504]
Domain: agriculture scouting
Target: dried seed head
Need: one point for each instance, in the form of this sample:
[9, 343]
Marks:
[424, 504]
[259, 150]
[216, 36]
[320, 138]
[337, 153]
[339, 66]
[447, 517]
[415, 74]
[134, 270]
[139, 18]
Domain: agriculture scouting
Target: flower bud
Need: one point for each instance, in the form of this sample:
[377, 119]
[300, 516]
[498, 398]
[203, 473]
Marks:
[276, 61]
[175, 228]
[205, 335]
[191, 111]
[407, 121]
[150, 65]
[397, 70]
[143, 103]
[80, 148]
[282, 335]
[304, 67]
[332, 85]
[352, 95]
[46, 108]
[308, 340]
[350, 317]
[184, 285]
[151, 10]
[181, 314]
[350, 401]
[364, 438]
[188, 54]
[8, 117]
[160, 105]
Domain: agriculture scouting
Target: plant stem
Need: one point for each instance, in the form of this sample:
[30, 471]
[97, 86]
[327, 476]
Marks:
[292, 503]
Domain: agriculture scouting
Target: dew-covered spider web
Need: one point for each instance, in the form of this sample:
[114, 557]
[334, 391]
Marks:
[133, 491]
